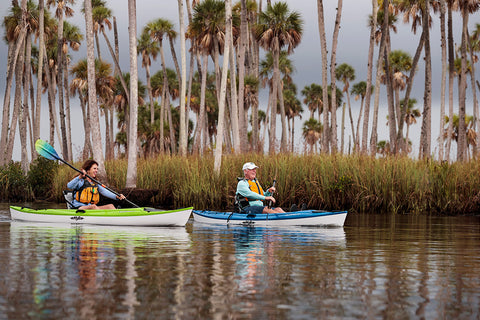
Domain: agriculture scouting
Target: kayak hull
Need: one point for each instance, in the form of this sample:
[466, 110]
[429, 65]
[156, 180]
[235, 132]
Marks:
[115, 217]
[297, 218]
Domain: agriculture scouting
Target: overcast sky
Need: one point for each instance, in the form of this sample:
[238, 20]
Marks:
[352, 49]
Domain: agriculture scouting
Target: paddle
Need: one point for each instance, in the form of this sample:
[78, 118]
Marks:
[47, 151]
[270, 202]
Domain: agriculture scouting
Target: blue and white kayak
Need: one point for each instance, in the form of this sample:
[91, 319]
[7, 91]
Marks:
[297, 218]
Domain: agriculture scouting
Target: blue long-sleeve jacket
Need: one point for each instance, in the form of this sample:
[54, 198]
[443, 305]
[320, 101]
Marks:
[244, 190]
[77, 183]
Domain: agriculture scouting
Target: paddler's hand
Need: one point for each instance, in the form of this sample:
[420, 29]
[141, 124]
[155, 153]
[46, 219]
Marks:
[270, 198]
[83, 174]
[121, 197]
[272, 190]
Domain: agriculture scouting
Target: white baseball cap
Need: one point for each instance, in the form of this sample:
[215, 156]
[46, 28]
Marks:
[249, 166]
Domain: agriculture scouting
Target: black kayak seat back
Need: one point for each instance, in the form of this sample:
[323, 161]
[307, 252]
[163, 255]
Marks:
[68, 195]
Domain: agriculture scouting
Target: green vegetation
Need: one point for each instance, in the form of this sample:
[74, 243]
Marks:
[356, 183]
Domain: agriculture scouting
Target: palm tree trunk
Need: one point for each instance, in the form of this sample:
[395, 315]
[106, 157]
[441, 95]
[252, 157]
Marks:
[392, 123]
[273, 110]
[451, 70]
[476, 120]
[183, 83]
[60, 67]
[368, 94]
[24, 70]
[68, 124]
[323, 45]
[173, 140]
[462, 86]
[342, 130]
[283, 117]
[383, 43]
[92, 94]
[87, 144]
[242, 49]
[234, 105]
[400, 143]
[333, 63]
[118, 70]
[26, 90]
[13, 53]
[223, 88]
[18, 114]
[131, 181]
[41, 44]
[443, 45]
[357, 133]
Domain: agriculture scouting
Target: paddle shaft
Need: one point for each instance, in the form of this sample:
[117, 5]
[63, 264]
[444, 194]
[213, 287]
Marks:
[98, 182]
[270, 202]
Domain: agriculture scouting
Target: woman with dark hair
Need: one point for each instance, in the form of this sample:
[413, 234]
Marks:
[87, 192]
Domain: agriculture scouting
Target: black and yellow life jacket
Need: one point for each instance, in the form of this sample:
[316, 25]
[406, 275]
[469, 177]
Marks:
[242, 201]
[88, 193]
[255, 187]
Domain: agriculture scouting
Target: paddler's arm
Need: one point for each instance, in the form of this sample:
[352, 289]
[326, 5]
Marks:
[107, 193]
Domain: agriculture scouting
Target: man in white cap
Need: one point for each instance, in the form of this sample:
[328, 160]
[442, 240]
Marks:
[252, 193]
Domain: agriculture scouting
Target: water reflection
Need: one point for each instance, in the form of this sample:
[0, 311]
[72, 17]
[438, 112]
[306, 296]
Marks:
[376, 267]
[90, 270]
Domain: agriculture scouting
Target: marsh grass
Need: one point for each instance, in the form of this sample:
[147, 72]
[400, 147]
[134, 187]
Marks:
[354, 183]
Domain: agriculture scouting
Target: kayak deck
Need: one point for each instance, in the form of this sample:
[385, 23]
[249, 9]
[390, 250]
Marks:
[126, 216]
[304, 217]
[124, 212]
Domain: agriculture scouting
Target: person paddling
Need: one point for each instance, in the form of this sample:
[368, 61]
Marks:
[87, 192]
[251, 190]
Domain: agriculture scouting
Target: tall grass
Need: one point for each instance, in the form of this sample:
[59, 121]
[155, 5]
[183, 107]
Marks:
[355, 183]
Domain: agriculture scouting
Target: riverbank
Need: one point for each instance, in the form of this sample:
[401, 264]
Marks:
[354, 183]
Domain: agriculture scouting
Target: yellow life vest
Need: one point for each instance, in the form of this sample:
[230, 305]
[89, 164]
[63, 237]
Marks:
[88, 193]
[255, 186]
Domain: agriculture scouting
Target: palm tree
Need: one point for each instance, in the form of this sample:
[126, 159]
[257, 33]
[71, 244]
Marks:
[443, 45]
[323, 45]
[131, 181]
[16, 25]
[360, 91]
[293, 108]
[104, 87]
[92, 94]
[72, 36]
[62, 9]
[369, 87]
[313, 98]
[207, 31]
[183, 83]
[470, 134]
[383, 147]
[346, 73]
[333, 63]
[411, 114]
[386, 21]
[312, 131]
[36, 113]
[149, 50]
[266, 76]
[400, 62]
[278, 28]
[223, 87]
[157, 30]
[101, 18]
[122, 107]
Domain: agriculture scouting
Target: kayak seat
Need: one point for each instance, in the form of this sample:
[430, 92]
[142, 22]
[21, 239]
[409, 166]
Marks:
[240, 203]
[68, 195]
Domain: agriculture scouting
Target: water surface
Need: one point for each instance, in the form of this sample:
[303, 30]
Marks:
[376, 267]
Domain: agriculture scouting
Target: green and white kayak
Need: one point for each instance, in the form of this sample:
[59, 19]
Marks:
[116, 217]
